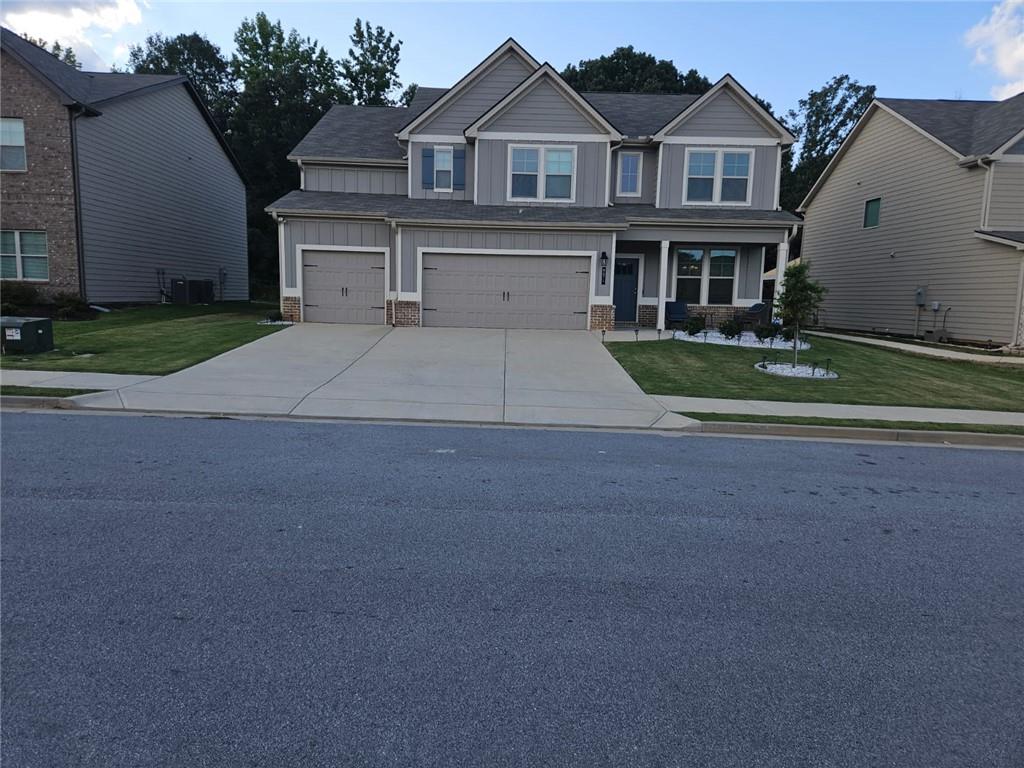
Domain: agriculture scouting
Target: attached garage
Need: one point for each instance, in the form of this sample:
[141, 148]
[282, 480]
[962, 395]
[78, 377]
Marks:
[481, 290]
[343, 286]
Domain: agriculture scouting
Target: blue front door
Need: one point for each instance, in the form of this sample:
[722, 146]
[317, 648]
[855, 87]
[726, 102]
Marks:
[626, 282]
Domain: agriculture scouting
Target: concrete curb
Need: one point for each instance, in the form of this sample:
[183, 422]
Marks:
[871, 434]
[31, 401]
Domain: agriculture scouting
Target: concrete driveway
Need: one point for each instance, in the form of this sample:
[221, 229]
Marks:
[431, 374]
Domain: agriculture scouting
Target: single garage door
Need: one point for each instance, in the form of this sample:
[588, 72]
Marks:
[343, 287]
[487, 291]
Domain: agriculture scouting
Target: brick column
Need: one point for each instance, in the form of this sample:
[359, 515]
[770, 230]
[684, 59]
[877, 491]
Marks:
[291, 309]
[403, 314]
[602, 317]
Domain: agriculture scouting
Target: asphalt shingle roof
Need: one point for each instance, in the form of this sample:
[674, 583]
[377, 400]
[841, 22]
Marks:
[969, 127]
[1005, 234]
[639, 114]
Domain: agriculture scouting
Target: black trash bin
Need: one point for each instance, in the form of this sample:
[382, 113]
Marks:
[26, 335]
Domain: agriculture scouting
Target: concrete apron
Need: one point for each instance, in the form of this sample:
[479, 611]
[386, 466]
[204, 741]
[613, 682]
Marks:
[422, 374]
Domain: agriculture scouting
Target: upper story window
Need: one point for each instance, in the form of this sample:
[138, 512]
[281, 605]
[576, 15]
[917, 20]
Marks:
[872, 212]
[23, 255]
[630, 172]
[12, 144]
[718, 176]
[542, 173]
[443, 164]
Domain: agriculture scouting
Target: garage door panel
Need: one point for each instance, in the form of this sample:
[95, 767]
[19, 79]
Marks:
[343, 287]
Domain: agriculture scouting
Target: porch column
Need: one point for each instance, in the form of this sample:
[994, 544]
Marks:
[662, 279]
[780, 270]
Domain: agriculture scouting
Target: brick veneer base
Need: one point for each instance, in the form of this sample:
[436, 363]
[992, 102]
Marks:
[602, 317]
[403, 314]
[714, 315]
[647, 315]
[290, 309]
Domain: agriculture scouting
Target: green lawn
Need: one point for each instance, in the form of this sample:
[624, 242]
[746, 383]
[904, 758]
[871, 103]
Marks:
[931, 426]
[15, 390]
[152, 340]
[867, 375]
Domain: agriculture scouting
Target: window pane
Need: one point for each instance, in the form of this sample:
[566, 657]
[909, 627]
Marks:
[524, 161]
[442, 159]
[720, 291]
[700, 189]
[630, 174]
[34, 267]
[12, 132]
[558, 161]
[689, 262]
[442, 179]
[702, 164]
[558, 187]
[7, 241]
[524, 185]
[688, 290]
[8, 267]
[736, 164]
[33, 243]
[12, 159]
[734, 190]
[723, 263]
[872, 212]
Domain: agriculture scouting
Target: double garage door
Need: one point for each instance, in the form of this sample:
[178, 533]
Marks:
[459, 290]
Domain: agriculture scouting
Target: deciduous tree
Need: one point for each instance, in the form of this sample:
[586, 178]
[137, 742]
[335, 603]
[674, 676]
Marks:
[370, 71]
[801, 296]
[631, 71]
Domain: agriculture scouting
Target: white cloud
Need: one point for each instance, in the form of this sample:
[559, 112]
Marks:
[72, 23]
[998, 42]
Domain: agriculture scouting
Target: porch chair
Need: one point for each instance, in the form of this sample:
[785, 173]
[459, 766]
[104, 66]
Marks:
[755, 315]
[675, 312]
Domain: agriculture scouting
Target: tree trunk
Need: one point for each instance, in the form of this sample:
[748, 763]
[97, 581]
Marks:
[796, 343]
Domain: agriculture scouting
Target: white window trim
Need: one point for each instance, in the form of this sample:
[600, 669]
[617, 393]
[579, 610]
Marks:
[864, 212]
[716, 191]
[639, 175]
[451, 171]
[705, 273]
[541, 173]
[24, 146]
[19, 268]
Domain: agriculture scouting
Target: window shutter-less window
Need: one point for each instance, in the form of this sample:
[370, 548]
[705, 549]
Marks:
[428, 168]
[459, 173]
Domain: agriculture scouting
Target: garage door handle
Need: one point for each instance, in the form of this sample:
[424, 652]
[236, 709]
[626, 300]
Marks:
[582, 271]
[430, 268]
[579, 313]
[376, 267]
[429, 309]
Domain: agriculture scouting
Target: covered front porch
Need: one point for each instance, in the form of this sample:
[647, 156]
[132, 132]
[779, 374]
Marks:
[716, 273]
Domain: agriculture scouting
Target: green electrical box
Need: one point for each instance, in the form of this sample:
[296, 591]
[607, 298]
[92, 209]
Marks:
[26, 335]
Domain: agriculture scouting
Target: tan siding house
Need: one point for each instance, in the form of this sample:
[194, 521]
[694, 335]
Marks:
[917, 226]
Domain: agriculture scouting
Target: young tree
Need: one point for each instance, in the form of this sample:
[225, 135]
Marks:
[196, 57]
[370, 71]
[65, 53]
[821, 122]
[631, 71]
[800, 297]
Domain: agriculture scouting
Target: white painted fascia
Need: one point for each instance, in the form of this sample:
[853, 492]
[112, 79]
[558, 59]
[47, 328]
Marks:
[1001, 150]
[437, 138]
[711, 140]
[576, 138]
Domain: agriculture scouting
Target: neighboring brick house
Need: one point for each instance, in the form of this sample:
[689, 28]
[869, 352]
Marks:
[112, 185]
[512, 201]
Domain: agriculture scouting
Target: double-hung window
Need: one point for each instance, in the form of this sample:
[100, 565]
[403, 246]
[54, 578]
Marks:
[542, 173]
[718, 176]
[443, 162]
[705, 275]
[12, 144]
[630, 170]
[689, 272]
[721, 275]
[23, 255]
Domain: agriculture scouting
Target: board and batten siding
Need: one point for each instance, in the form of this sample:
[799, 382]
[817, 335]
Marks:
[158, 192]
[1006, 198]
[930, 209]
[542, 109]
[416, 168]
[723, 116]
[313, 231]
[591, 172]
[487, 90]
[673, 174]
[491, 239]
[648, 177]
[368, 180]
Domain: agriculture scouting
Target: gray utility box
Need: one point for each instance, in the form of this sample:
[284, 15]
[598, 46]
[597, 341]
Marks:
[26, 335]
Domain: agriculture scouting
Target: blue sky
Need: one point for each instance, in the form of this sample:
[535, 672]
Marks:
[781, 50]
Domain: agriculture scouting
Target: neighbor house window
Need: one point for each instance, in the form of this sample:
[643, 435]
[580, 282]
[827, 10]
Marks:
[23, 255]
[718, 176]
[700, 176]
[630, 168]
[12, 144]
[542, 173]
[689, 273]
[721, 275]
[443, 169]
[872, 212]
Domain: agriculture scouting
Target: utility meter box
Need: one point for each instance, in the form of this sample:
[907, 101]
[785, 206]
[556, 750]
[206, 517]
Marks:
[26, 335]
[919, 295]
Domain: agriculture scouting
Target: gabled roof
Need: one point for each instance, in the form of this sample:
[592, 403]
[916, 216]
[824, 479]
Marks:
[969, 128]
[354, 133]
[508, 46]
[638, 114]
[544, 72]
[745, 99]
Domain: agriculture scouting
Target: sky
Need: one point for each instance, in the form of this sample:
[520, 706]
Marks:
[779, 50]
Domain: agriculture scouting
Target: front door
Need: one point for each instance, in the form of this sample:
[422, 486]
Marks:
[626, 283]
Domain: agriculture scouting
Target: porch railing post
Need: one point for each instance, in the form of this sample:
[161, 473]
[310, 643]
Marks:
[662, 280]
[780, 273]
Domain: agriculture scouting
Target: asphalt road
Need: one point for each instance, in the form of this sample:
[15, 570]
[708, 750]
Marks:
[180, 592]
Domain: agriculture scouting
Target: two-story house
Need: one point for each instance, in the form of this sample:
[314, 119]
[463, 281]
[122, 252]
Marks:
[916, 227]
[113, 185]
[511, 201]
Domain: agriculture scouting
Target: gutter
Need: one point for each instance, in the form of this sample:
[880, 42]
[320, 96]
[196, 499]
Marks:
[73, 115]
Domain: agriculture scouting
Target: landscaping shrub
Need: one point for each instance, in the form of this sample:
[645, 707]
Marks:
[730, 329]
[694, 325]
[275, 316]
[17, 298]
[788, 333]
[766, 331]
[70, 306]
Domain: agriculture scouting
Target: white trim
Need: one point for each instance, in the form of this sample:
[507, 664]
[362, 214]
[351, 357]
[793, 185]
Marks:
[19, 267]
[300, 247]
[1000, 240]
[778, 180]
[657, 182]
[1018, 329]
[716, 190]
[1013, 140]
[733, 140]
[639, 175]
[285, 290]
[1008, 158]
[509, 45]
[608, 176]
[662, 279]
[639, 257]
[542, 150]
[476, 170]
[398, 269]
[302, 176]
[436, 138]
[579, 138]
[986, 193]
[451, 171]
[408, 172]
[746, 100]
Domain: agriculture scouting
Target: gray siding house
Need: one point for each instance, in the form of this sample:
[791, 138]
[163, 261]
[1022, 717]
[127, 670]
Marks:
[114, 184]
[916, 227]
[511, 201]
